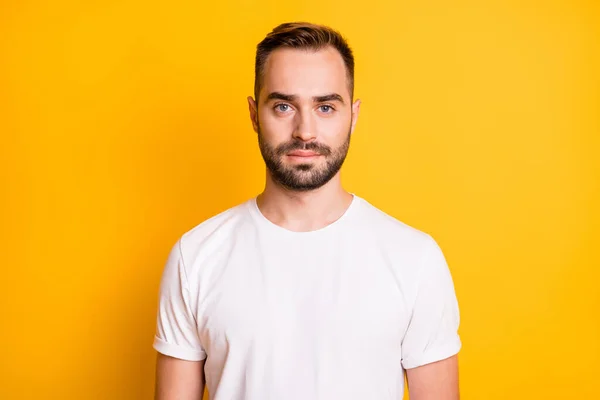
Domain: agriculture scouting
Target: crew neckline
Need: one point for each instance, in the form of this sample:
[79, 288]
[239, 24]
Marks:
[264, 221]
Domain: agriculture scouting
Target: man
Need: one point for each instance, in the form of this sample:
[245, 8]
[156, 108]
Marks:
[306, 291]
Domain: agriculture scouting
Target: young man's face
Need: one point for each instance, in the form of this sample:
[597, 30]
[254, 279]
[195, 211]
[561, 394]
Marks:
[304, 116]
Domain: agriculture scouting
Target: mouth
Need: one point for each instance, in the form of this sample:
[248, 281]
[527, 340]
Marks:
[303, 154]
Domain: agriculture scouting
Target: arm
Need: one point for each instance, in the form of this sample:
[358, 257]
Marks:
[178, 379]
[435, 381]
[431, 342]
[180, 359]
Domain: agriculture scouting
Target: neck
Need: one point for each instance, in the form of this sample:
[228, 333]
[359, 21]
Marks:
[304, 211]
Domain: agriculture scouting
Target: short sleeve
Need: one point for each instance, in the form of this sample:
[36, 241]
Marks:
[176, 329]
[432, 333]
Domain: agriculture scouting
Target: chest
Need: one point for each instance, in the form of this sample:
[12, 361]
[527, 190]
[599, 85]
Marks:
[325, 297]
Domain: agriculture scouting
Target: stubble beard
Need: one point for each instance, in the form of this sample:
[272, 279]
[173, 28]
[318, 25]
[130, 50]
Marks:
[307, 176]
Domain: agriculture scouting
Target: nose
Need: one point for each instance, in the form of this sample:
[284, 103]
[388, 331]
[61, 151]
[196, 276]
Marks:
[305, 127]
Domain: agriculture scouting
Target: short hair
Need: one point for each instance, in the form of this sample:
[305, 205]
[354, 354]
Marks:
[302, 35]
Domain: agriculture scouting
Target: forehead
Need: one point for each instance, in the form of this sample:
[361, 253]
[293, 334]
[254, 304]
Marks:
[305, 73]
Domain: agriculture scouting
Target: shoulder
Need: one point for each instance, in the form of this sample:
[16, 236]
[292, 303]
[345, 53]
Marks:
[392, 231]
[215, 231]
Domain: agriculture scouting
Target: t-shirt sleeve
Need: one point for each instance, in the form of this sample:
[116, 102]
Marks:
[176, 329]
[432, 333]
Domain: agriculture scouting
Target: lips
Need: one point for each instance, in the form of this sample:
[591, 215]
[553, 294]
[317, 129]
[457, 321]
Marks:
[303, 153]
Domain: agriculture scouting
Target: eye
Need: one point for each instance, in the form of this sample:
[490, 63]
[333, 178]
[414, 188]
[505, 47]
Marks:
[327, 109]
[282, 107]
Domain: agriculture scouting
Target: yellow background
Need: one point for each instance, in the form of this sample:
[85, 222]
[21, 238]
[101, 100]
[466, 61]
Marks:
[124, 124]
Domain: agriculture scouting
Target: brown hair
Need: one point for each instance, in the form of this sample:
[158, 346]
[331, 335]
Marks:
[302, 35]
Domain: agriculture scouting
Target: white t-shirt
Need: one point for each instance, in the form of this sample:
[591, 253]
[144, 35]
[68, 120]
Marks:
[336, 313]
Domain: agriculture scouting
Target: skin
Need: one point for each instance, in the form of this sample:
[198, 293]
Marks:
[178, 379]
[434, 381]
[306, 75]
[304, 105]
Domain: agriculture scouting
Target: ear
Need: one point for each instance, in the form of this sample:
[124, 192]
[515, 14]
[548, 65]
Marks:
[253, 113]
[355, 111]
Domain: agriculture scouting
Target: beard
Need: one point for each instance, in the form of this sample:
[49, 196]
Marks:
[303, 177]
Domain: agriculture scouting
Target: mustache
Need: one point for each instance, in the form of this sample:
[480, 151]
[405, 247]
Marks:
[318, 148]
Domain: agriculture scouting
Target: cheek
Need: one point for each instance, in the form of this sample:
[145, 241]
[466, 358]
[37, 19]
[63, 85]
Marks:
[331, 130]
[332, 125]
[334, 130]
[275, 127]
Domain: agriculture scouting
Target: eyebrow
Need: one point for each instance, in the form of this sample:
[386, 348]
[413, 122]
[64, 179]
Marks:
[316, 99]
